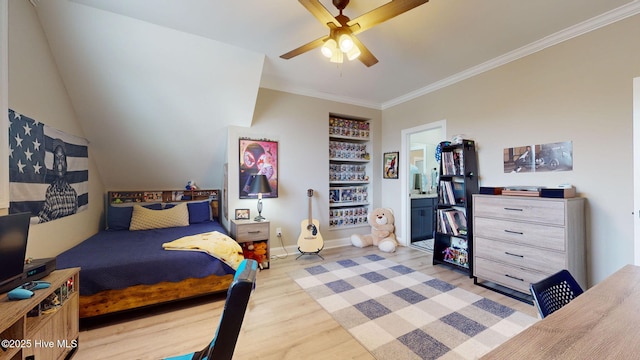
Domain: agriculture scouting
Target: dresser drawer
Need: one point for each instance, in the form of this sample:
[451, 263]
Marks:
[544, 236]
[252, 232]
[526, 209]
[510, 276]
[518, 255]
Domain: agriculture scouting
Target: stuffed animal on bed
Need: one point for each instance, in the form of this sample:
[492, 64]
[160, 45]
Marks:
[191, 185]
[382, 232]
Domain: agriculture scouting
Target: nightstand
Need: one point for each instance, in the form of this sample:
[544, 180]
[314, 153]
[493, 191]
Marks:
[250, 231]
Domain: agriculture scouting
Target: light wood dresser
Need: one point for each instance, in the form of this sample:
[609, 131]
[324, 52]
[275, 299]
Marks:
[521, 240]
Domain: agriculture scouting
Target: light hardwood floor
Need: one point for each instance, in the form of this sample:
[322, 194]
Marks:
[282, 321]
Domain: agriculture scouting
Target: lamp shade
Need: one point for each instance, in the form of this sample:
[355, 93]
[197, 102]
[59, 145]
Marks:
[260, 184]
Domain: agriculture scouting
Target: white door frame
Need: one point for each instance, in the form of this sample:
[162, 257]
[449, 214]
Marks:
[636, 171]
[403, 176]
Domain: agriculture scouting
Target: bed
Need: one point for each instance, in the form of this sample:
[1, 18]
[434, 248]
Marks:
[125, 266]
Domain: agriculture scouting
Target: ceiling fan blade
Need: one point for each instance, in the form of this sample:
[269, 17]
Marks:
[381, 14]
[320, 12]
[366, 57]
[304, 48]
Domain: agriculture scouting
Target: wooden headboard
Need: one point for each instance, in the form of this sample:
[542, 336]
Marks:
[166, 196]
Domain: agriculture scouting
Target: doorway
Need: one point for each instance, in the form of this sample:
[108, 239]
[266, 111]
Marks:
[418, 157]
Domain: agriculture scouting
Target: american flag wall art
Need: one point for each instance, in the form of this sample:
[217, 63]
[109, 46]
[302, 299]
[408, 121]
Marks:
[48, 170]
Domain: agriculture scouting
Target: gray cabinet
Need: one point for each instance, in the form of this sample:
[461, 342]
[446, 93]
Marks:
[423, 213]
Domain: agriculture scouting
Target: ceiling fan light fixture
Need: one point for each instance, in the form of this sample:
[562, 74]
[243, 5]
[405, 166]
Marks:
[329, 48]
[337, 57]
[346, 43]
[354, 53]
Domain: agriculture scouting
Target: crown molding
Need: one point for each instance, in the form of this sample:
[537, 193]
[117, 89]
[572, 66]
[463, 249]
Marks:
[621, 13]
[602, 20]
[274, 84]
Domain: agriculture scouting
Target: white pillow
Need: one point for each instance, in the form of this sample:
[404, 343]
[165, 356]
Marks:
[145, 219]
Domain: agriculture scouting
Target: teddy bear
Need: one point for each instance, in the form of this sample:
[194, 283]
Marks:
[382, 231]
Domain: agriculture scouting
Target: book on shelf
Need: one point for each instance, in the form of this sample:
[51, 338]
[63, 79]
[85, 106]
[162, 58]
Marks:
[458, 191]
[453, 162]
[452, 192]
[446, 193]
[452, 221]
[443, 224]
[447, 163]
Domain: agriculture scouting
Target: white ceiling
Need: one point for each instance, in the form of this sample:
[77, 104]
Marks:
[155, 82]
[428, 47]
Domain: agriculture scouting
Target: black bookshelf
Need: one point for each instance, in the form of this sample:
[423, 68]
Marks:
[453, 244]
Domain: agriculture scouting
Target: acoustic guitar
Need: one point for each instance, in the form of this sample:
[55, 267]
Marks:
[310, 240]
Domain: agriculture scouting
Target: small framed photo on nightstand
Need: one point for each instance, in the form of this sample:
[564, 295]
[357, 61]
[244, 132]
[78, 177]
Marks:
[242, 214]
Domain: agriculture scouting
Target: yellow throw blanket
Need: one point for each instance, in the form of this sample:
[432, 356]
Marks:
[213, 243]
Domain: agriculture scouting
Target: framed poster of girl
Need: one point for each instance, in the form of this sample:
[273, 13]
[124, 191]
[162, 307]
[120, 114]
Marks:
[258, 157]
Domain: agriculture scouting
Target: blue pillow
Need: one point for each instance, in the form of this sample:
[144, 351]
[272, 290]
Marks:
[119, 217]
[199, 212]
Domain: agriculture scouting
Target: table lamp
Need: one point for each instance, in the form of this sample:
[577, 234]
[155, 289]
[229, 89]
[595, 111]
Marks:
[259, 185]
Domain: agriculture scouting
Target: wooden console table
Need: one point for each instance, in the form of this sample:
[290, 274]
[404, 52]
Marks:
[602, 323]
[26, 332]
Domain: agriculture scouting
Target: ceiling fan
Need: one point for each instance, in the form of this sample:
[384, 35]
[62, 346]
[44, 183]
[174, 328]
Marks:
[341, 40]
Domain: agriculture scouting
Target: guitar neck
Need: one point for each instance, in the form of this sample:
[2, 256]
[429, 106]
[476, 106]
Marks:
[310, 217]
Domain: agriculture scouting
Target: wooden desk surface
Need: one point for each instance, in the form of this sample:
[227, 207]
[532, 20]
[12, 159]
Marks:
[602, 323]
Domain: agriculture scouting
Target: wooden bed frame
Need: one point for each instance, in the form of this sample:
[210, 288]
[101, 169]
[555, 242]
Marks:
[138, 296]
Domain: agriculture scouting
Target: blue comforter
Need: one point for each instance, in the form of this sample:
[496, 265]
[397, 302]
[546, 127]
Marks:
[116, 259]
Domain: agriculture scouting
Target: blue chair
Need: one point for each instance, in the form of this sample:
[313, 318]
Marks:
[224, 341]
[554, 292]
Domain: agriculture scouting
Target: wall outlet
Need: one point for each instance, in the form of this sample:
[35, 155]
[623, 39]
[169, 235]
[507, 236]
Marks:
[278, 231]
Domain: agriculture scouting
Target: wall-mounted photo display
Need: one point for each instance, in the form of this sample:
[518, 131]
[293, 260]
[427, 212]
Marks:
[390, 165]
[539, 158]
[258, 157]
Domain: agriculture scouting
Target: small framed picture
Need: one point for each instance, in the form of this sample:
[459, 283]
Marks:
[242, 214]
[390, 165]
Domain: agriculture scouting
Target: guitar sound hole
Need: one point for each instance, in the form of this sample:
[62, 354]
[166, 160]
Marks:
[313, 229]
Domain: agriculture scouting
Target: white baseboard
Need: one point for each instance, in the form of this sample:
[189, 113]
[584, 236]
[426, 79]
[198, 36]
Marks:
[276, 248]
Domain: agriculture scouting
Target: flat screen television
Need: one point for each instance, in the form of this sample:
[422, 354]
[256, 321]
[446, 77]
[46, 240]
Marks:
[14, 230]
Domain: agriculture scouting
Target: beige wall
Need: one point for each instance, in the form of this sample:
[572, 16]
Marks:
[36, 90]
[580, 91]
[300, 124]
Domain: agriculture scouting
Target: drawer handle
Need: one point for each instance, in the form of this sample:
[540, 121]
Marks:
[513, 209]
[254, 232]
[514, 232]
[516, 255]
[513, 277]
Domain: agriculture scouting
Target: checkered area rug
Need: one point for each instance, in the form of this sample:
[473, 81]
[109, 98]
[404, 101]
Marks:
[396, 312]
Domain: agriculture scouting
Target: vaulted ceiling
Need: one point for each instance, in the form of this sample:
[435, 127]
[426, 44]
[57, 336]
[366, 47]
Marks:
[171, 75]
